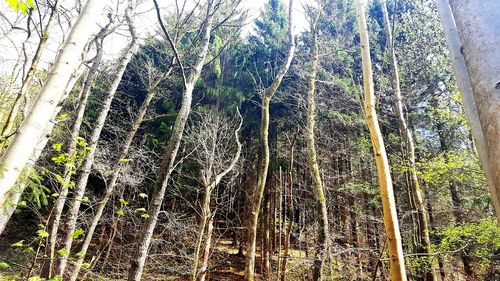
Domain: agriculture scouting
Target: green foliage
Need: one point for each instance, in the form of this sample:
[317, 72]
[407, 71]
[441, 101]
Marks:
[63, 252]
[480, 240]
[37, 193]
[20, 5]
[77, 233]
[42, 233]
[18, 244]
[4, 265]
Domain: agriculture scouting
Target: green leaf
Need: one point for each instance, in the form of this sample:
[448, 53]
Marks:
[18, 244]
[143, 195]
[123, 201]
[4, 265]
[145, 216]
[120, 212]
[57, 146]
[42, 233]
[77, 233]
[63, 252]
[140, 210]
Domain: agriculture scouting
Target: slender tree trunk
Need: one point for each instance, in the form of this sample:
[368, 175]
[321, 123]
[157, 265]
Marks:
[478, 26]
[135, 126]
[143, 242]
[202, 271]
[426, 271]
[442, 272]
[398, 271]
[33, 127]
[321, 209]
[70, 166]
[288, 209]
[255, 201]
[93, 145]
[9, 123]
[14, 195]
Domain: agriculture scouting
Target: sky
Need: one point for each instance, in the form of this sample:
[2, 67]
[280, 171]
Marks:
[146, 22]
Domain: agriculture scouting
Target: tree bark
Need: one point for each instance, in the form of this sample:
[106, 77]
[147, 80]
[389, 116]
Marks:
[321, 208]
[123, 153]
[288, 208]
[81, 185]
[55, 216]
[255, 201]
[9, 123]
[14, 195]
[478, 27]
[396, 258]
[33, 127]
[143, 242]
[426, 271]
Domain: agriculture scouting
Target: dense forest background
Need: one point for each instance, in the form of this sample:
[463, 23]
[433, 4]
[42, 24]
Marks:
[203, 218]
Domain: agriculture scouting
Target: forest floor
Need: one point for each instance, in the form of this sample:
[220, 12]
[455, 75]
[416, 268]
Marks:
[226, 263]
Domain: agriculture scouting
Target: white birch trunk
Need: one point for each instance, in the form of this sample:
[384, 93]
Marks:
[93, 144]
[14, 195]
[33, 127]
[474, 44]
[144, 241]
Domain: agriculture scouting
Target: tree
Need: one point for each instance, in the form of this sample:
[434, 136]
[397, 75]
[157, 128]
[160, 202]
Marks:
[212, 134]
[398, 271]
[22, 146]
[23, 92]
[81, 184]
[256, 200]
[477, 27]
[321, 208]
[143, 242]
[424, 243]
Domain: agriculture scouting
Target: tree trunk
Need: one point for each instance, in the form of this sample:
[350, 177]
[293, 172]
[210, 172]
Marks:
[14, 195]
[255, 201]
[396, 257]
[70, 167]
[93, 145]
[478, 26]
[9, 123]
[33, 127]
[426, 271]
[143, 242]
[123, 153]
[321, 209]
[288, 208]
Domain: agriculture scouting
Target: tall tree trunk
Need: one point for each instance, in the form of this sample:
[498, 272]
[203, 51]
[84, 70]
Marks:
[255, 201]
[70, 167]
[9, 123]
[14, 195]
[456, 202]
[321, 209]
[206, 220]
[442, 272]
[478, 26]
[396, 258]
[124, 152]
[33, 127]
[288, 208]
[143, 242]
[93, 145]
[425, 271]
